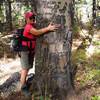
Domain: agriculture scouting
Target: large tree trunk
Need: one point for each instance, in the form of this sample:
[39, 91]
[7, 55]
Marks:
[53, 58]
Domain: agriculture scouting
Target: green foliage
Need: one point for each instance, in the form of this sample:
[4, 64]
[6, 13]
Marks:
[2, 13]
[89, 72]
[96, 43]
[46, 98]
[90, 27]
[96, 59]
[18, 17]
[76, 30]
[93, 75]
[27, 8]
[80, 1]
[78, 56]
[40, 97]
[95, 98]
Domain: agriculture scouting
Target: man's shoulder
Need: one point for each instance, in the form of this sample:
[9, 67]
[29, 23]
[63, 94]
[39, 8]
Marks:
[28, 26]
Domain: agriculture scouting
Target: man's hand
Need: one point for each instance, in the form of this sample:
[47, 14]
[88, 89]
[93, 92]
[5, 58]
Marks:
[53, 27]
[50, 27]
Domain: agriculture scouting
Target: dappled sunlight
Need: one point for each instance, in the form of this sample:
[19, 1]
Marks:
[76, 43]
[84, 33]
[89, 51]
[7, 68]
[95, 45]
[10, 66]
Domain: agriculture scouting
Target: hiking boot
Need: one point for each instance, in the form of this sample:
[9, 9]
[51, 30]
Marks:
[29, 80]
[25, 91]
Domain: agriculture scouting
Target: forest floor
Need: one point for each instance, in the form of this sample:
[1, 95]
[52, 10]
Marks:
[87, 79]
[86, 56]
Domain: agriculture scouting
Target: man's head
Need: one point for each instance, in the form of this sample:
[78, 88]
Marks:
[30, 17]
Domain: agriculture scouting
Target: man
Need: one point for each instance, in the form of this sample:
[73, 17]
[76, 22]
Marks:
[27, 56]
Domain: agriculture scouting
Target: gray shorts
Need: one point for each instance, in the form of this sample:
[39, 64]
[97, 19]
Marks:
[27, 59]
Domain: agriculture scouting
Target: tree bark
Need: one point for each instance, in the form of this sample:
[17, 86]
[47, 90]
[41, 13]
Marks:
[8, 14]
[53, 53]
[94, 12]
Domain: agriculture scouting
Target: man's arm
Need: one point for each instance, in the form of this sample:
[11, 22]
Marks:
[50, 27]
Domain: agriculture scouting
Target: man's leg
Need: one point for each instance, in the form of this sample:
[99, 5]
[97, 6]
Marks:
[26, 63]
[25, 66]
[24, 88]
[24, 73]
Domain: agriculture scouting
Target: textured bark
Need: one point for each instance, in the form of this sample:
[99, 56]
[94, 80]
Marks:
[94, 12]
[8, 13]
[53, 62]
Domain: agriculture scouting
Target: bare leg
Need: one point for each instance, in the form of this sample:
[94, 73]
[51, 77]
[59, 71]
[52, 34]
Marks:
[24, 73]
[24, 88]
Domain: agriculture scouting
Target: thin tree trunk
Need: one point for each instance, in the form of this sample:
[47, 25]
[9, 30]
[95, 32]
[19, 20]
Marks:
[8, 14]
[94, 11]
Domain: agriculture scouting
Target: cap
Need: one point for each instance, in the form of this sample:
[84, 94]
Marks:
[29, 14]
